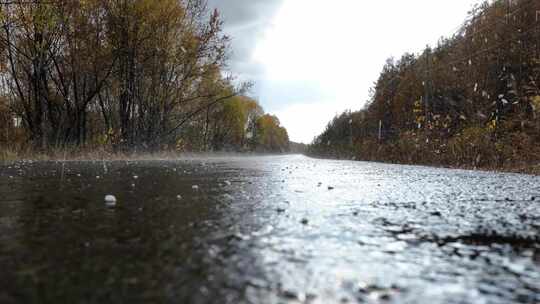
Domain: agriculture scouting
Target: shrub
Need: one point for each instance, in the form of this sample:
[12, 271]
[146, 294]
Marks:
[474, 147]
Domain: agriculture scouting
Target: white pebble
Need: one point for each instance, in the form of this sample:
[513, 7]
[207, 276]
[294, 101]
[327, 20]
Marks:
[110, 200]
[135, 177]
[228, 183]
[195, 187]
[178, 197]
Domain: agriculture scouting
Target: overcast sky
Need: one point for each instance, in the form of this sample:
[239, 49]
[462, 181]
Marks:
[312, 59]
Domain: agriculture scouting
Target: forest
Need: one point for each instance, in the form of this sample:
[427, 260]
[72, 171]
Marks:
[124, 75]
[471, 101]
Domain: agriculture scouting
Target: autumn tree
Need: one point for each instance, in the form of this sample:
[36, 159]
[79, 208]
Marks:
[270, 135]
[131, 74]
[471, 100]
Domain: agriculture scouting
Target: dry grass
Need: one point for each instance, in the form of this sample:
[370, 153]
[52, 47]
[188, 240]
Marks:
[9, 155]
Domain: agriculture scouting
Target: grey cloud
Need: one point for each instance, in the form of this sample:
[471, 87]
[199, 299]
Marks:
[241, 13]
[246, 22]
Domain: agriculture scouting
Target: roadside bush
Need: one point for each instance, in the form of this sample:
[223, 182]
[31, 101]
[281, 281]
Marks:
[517, 147]
[474, 147]
[7, 155]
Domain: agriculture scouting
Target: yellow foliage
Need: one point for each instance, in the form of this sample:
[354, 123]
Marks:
[180, 145]
[492, 125]
[271, 136]
[535, 102]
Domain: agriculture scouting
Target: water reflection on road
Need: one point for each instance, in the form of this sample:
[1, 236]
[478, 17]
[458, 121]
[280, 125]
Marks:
[266, 230]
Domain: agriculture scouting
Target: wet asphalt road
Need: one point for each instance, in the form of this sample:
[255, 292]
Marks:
[281, 229]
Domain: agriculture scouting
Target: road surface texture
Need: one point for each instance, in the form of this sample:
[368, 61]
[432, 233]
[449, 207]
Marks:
[278, 229]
